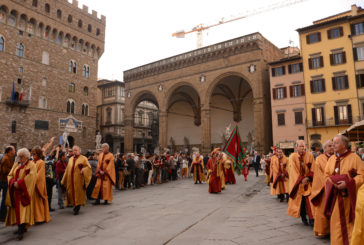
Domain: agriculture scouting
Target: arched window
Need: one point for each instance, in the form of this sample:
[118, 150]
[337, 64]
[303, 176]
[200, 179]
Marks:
[39, 31]
[70, 106]
[12, 18]
[20, 50]
[69, 18]
[97, 32]
[35, 3]
[47, 32]
[80, 23]
[73, 42]
[22, 21]
[2, 43]
[89, 28]
[47, 8]
[3, 14]
[66, 40]
[59, 38]
[85, 91]
[59, 14]
[86, 71]
[31, 26]
[84, 110]
[74, 67]
[86, 47]
[79, 45]
[71, 87]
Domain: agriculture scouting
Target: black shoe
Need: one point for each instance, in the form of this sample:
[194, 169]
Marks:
[20, 236]
[51, 209]
[196, 183]
[281, 200]
[76, 210]
[61, 207]
[96, 203]
[106, 202]
[311, 222]
[304, 221]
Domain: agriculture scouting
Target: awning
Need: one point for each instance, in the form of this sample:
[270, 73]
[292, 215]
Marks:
[355, 132]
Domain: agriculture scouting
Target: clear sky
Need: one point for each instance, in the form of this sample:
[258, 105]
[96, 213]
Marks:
[140, 31]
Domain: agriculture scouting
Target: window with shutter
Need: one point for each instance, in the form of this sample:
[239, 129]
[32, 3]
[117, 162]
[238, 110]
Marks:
[350, 116]
[285, 92]
[314, 123]
[298, 117]
[289, 69]
[359, 80]
[336, 114]
[274, 91]
[303, 89]
[291, 91]
[281, 119]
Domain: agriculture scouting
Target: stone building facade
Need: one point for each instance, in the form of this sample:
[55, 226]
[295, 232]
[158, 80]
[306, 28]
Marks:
[49, 52]
[201, 92]
[111, 118]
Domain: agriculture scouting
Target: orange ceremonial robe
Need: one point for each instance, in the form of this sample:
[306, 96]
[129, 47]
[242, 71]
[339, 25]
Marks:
[197, 165]
[104, 182]
[76, 179]
[357, 237]
[41, 208]
[279, 167]
[321, 226]
[20, 201]
[297, 190]
[352, 169]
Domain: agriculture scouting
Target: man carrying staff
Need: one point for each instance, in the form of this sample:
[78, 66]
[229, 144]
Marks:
[76, 179]
[344, 176]
[300, 179]
[321, 228]
[280, 175]
[105, 174]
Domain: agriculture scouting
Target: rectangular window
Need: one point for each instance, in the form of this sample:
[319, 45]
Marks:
[313, 38]
[316, 62]
[281, 121]
[42, 102]
[358, 53]
[43, 125]
[317, 86]
[109, 92]
[298, 117]
[340, 83]
[343, 114]
[357, 29]
[335, 33]
[359, 80]
[279, 93]
[338, 58]
[318, 116]
[122, 91]
[295, 68]
[278, 71]
[297, 90]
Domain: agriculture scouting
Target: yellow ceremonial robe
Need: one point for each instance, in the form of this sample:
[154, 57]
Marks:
[279, 167]
[195, 167]
[357, 237]
[297, 172]
[321, 226]
[347, 164]
[104, 182]
[76, 179]
[41, 208]
[26, 176]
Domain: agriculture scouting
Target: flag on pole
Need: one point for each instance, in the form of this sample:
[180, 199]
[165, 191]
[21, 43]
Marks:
[21, 94]
[234, 149]
[13, 92]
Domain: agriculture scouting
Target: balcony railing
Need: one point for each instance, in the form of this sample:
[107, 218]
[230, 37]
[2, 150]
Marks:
[20, 103]
[331, 123]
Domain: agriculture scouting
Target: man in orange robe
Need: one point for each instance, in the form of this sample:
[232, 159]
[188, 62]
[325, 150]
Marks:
[19, 198]
[300, 179]
[321, 227]
[76, 179]
[198, 169]
[280, 175]
[344, 175]
[229, 170]
[41, 208]
[105, 174]
[357, 237]
[214, 171]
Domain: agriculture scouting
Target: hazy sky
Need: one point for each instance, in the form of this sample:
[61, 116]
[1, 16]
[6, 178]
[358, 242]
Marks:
[140, 31]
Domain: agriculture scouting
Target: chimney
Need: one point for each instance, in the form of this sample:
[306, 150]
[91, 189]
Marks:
[354, 10]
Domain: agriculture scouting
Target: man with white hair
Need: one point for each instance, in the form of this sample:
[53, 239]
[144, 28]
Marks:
[300, 179]
[22, 178]
[105, 174]
[321, 227]
[344, 174]
[76, 179]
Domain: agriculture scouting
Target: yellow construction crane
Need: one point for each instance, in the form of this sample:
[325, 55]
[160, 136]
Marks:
[201, 27]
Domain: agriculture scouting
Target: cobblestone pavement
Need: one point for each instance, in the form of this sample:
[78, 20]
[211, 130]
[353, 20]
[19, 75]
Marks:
[178, 212]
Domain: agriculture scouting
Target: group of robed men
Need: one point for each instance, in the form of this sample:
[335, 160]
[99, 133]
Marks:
[27, 199]
[328, 190]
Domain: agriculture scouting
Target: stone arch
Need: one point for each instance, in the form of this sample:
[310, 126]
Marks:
[4, 11]
[141, 96]
[177, 93]
[13, 18]
[218, 79]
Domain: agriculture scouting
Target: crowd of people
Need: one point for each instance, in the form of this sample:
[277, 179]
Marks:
[28, 177]
[324, 189]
